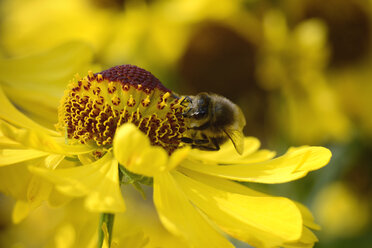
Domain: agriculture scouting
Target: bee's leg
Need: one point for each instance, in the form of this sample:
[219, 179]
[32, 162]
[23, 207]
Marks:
[195, 142]
[205, 148]
[202, 142]
[216, 143]
[206, 145]
[187, 140]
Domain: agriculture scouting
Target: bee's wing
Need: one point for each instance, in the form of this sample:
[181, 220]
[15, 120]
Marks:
[237, 138]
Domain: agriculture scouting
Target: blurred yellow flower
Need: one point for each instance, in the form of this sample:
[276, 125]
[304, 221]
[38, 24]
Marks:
[70, 227]
[354, 88]
[40, 79]
[340, 211]
[293, 62]
[34, 84]
[67, 20]
[29, 143]
[151, 35]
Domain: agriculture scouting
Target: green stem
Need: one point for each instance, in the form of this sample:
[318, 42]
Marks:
[109, 220]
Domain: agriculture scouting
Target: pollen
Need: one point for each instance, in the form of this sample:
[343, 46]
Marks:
[146, 101]
[93, 108]
[131, 102]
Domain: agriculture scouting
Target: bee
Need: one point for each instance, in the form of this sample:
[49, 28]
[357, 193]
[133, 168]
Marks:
[211, 120]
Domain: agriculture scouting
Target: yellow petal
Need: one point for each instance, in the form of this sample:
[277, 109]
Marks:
[133, 150]
[258, 220]
[295, 164]
[107, 198]
[151, 161]
[307, 217]
[14, 180]
[8, 157]
[6, 143]
[34, 191]
[129, 141]
[98, 181]
[307, 240]
[9, 113]
[42, 141]
[57, 199]
[20, 211]
[38, 106]
[180, 217]
[53, 160]
[227, 153]
[38, 191]
[49, 69]
[177, 157]
[38, 89]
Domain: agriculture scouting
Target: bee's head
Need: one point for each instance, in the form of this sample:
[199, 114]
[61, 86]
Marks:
[198, 107]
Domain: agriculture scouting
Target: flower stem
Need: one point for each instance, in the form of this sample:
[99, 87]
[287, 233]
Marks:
[106, 222]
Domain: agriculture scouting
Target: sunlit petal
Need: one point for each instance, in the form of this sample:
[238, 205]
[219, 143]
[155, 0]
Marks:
[295, 164]
[227, 153]
[42, 141]
[98, 181]
[8, 157]
[133, 150]
[187, 220]
[127, 142]
[258, 220]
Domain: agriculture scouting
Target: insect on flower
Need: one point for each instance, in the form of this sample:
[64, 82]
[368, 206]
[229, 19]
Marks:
[211, 120]
[96, 105]
[194, 191]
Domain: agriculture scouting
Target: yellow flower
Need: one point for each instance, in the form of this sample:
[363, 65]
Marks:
[150, 35]
[201, 182]
[123, 119]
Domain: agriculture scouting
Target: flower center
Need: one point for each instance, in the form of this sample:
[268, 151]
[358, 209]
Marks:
[95, 106]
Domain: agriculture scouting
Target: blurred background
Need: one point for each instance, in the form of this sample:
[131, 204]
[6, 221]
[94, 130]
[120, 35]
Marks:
[300, 70]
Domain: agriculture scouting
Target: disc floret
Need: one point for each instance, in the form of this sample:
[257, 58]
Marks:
[93, 107]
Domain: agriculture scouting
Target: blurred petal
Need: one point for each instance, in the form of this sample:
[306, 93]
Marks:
[20, 211]
[57, 199]
[42, 141]
[9, 113]
[296, 163]
[181, 217]
[8, 157]
[39, 86]
[49, 69]
[6, 143]
[307, 217]
[307, 240]
[258, 220]
[98, 181]
[14, 180]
